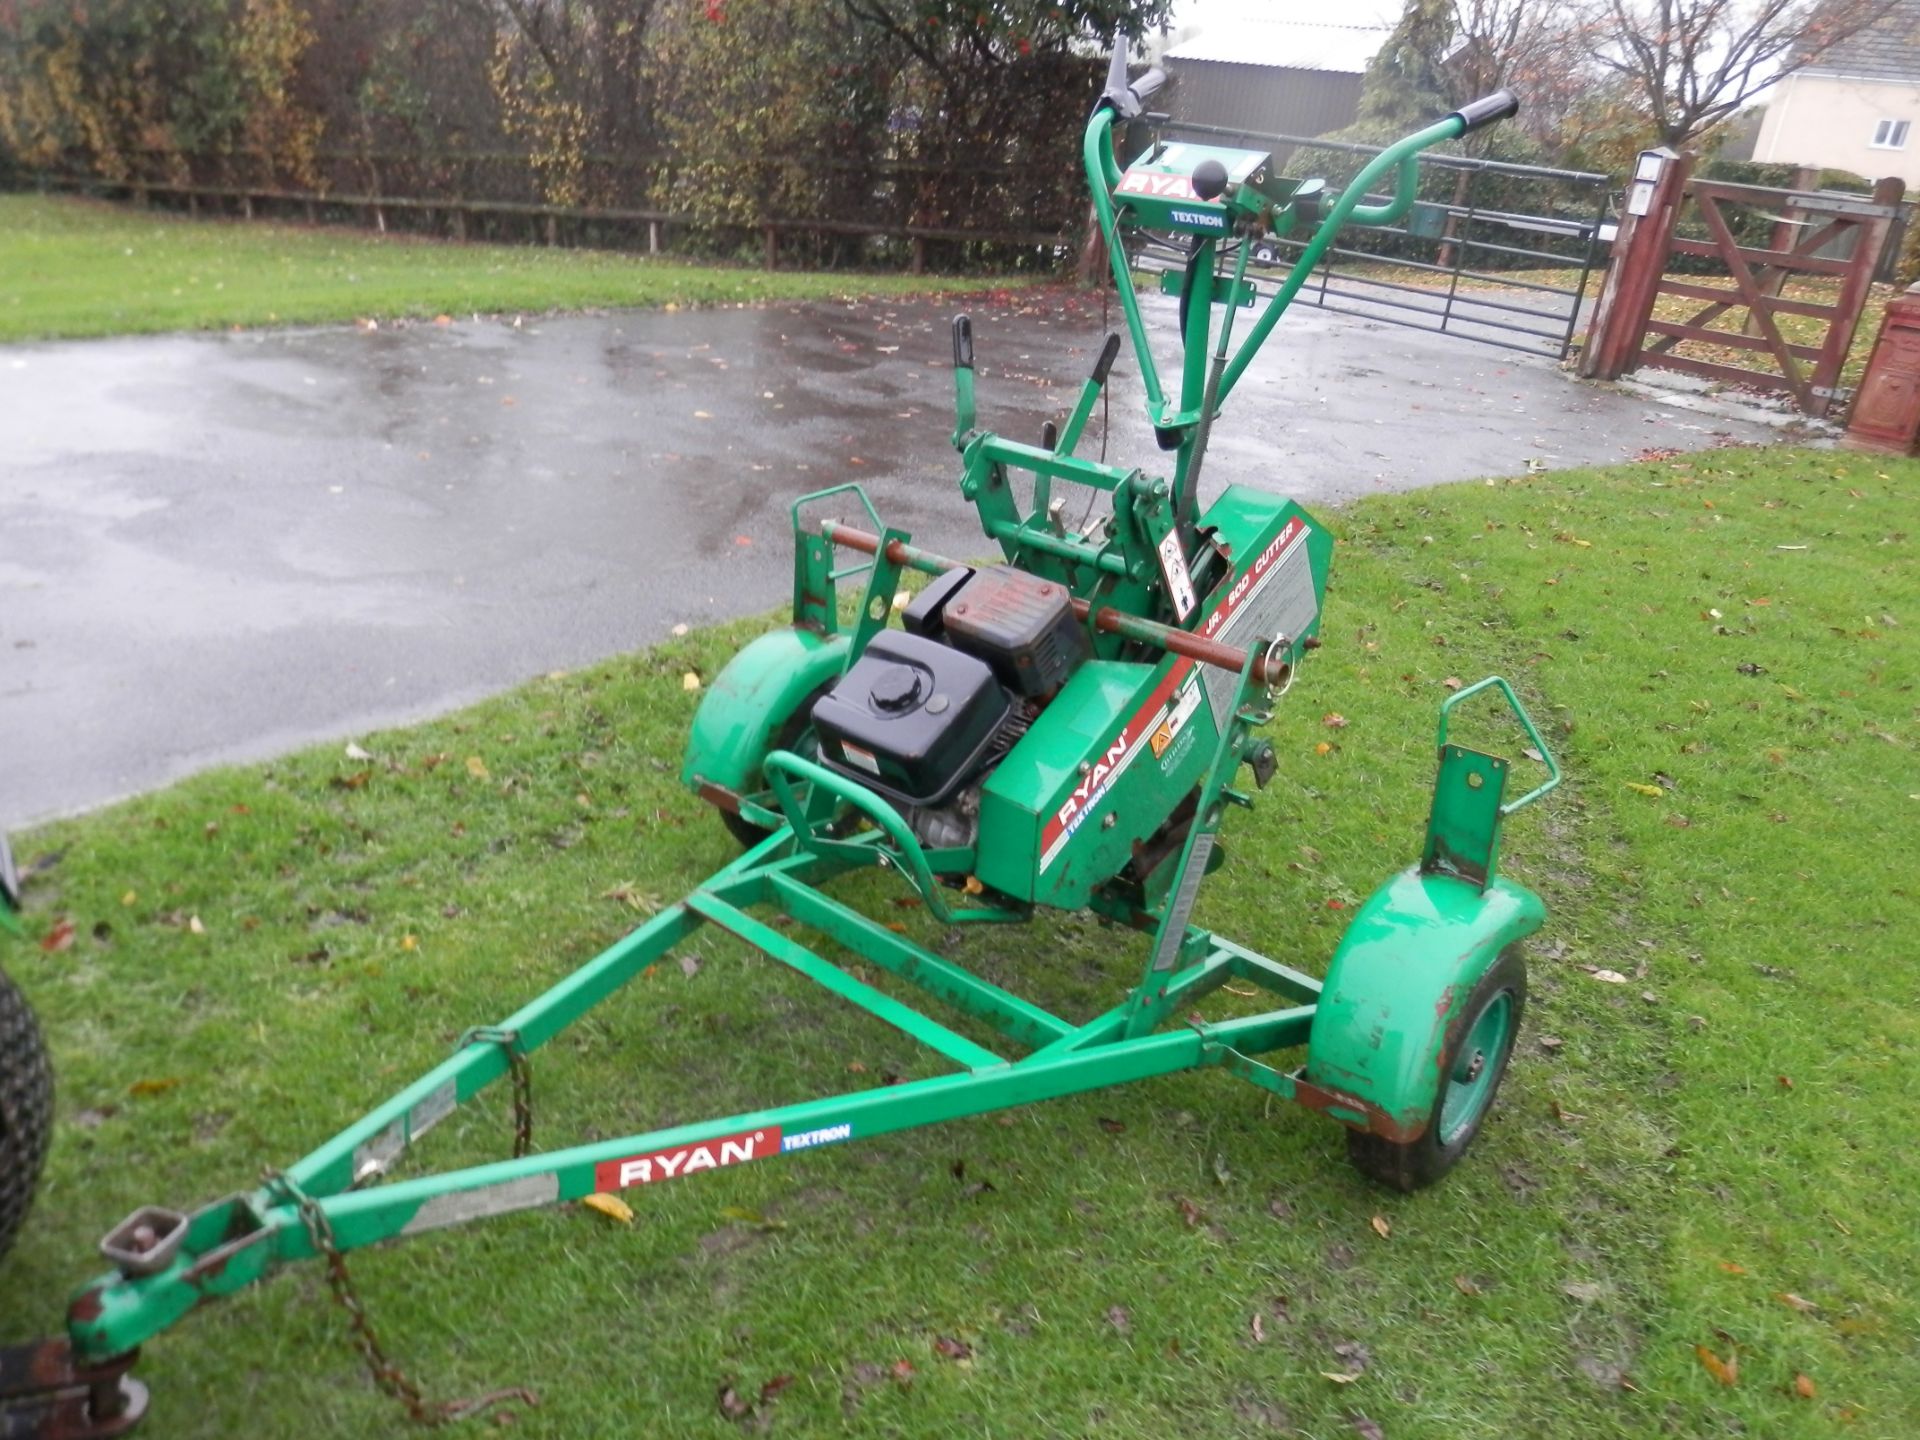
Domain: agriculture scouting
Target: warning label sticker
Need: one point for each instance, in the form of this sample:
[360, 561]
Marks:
[1173, 565]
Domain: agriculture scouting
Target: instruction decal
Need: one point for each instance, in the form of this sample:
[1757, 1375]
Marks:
[1173, 566]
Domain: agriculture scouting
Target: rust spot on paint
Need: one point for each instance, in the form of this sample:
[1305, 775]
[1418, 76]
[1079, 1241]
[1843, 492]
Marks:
[1376, 1121]
[719, 796]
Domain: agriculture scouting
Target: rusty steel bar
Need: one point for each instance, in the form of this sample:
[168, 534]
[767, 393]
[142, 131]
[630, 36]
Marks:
[1114, 622]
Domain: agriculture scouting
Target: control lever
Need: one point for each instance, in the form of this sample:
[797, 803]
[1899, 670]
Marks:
[963, 406]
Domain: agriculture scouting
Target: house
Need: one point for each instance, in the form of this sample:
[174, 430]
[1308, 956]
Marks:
[1854, 107]
[1272, 77]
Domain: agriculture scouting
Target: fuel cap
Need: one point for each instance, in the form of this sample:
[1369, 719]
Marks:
[897, 689]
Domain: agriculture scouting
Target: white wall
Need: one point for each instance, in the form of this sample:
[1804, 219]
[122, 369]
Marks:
[1826, 121]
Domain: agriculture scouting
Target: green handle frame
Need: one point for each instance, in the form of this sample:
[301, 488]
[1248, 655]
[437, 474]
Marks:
[1526, 724]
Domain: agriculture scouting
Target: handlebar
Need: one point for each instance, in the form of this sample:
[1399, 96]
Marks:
[1501, 105]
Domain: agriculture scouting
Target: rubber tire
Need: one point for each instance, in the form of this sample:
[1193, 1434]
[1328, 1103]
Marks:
[1418, 1163]
[790, 735]
[26, 1109]
[1265, 255]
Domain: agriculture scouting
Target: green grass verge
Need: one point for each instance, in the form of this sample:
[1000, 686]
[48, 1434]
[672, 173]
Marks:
[1724, 649]
[72, 268]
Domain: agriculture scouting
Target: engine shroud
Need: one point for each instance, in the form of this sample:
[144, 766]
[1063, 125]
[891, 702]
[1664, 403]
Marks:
[911, 719]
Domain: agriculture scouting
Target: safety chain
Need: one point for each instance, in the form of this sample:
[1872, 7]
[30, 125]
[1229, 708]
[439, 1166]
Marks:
[387, 1376]
[521, 1073]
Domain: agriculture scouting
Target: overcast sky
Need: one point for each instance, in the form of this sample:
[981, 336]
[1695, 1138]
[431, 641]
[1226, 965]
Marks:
[1350, 12]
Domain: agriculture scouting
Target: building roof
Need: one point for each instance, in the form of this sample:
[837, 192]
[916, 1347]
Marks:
[1287, 45]
[1888, 49]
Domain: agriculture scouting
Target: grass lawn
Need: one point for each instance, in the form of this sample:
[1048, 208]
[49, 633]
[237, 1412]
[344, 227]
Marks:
[71, 267]
[1711, 1155]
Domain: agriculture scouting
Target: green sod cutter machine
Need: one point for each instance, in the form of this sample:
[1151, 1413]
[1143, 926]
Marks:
[1064, 729]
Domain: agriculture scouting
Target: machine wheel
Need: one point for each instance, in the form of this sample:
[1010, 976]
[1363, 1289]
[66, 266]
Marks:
[1472, 1069]
[1266, 254]
[795, 734]
[26, 1108]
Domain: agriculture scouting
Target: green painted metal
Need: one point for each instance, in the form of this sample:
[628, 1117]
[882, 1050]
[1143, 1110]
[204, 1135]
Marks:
[1112, 799]
[1403, 970]
[1471, 1082]
[1463, 825]
[744, 709]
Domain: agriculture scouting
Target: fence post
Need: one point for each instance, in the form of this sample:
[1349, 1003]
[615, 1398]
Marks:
[919, 264]
[773, 248]
[653, 237]
[1636, 264]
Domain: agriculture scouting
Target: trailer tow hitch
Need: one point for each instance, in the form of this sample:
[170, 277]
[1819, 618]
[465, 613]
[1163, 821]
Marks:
[45, 1394]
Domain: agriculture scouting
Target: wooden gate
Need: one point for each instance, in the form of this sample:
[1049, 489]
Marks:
[1750, 326]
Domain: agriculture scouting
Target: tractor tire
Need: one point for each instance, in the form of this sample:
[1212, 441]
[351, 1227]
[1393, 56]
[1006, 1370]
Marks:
[1473, 1065]
[26, 1109]
[796, 734]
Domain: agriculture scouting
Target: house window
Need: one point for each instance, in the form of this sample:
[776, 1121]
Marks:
[1890, 135]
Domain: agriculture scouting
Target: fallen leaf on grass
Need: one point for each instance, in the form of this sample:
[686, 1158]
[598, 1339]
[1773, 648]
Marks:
[1334, 721]
[689, 965]
[1465, 1286]
[1257, 1329]
[1453, 682]
[1804, 1387]
[1784, 1082]
[1639, 789]
[610, 1206]
[731, 1405]
[1340, 1377]
[59, 938]
[1611, 977]
[1585, 1291]
[1381, 1227]
[477, 768]
[194, 926]
[957, 1351]
[903, 1371]
[354, 752]
[1727, 1371]
[1323, 748]
[1120, 1319]
[154, 1087]
[690, 682]
[1190, 1212]
[773, 1389]
[1732, 1268]
[1798, 1302]
[1363, 1427]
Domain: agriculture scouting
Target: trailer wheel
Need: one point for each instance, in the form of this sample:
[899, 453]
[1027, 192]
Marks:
[26, 1108]
[1471, 1068]
[796, 734]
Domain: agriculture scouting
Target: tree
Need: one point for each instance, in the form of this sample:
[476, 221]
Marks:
[1405, 85]
[1689, 64]
[1444, 53]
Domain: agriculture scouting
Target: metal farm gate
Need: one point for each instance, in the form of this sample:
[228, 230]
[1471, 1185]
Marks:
[1491, 252]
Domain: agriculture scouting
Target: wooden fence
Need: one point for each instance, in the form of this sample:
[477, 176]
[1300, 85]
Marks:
[202, 182]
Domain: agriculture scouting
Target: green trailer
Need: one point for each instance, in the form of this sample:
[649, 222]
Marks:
[1062, 728]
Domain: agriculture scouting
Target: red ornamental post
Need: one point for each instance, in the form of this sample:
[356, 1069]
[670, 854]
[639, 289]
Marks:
[1886, 409]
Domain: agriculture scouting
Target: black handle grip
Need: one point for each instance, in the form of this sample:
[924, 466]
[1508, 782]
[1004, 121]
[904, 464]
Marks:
[1144, 87]
[1109, 353]
[962, 342]
[1501, 105]
[1049, 436]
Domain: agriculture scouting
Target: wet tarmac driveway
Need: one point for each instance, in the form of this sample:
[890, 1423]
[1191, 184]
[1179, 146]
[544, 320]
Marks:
[214, 548]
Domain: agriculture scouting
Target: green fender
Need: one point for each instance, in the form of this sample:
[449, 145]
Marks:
[748, 702]
[1404, 969]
